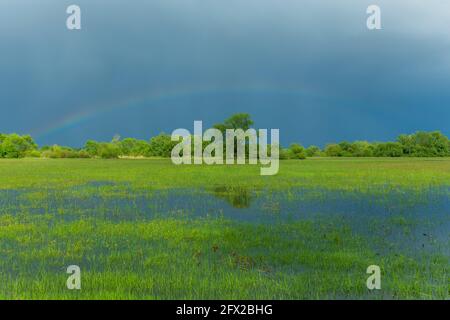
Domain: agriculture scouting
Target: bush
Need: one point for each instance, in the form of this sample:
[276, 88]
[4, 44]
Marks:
[388, 149]
[108, 150]
[134, 148]
[295, 151]
[161, 146]
[333, 150]
[15, 146]
[57, 152]
[312, 151]
[425, 144]
[33, 154]
[362, 149]
[105, 150]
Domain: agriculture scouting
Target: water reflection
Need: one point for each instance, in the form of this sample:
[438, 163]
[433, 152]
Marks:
[238, 197]
[419, 220]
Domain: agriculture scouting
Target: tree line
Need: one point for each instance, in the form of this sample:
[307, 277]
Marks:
[419, 144]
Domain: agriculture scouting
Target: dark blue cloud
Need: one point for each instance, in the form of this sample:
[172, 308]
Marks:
[310, 68]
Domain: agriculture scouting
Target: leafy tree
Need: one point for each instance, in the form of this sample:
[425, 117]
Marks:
[56, 151]
[16, 146]
[295, 151]
[388, 149]
[312, 151]
[436, 144]
[105, 150]
[237, 121]
[92, 148]
[346, 149]
[108, 150]
[407, 143]
[333, 150]
[362, 149]
[33, 154]
[425, 144]
[134, 147]
[161, 146]
[127, 146]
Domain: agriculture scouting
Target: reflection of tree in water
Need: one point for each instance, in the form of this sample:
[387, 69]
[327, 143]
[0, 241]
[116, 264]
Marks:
[238, 197]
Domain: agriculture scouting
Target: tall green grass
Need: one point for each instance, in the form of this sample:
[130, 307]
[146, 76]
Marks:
[208, 258]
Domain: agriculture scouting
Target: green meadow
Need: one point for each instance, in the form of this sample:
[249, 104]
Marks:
[147, 229]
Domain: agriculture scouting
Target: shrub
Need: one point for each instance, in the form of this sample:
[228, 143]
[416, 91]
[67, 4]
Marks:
[388, 149]
[295, 151]
[33, 154]
[15, 146]
[108, 150]
[333, 150]
[161, 146]
[312, 151]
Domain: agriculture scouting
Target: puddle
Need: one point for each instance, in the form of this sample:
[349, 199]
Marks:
[410, 219]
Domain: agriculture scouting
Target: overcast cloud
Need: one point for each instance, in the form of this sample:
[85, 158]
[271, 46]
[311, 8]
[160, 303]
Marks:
[310, 68]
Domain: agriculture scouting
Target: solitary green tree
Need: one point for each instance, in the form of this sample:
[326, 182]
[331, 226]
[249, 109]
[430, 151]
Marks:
[237, 121]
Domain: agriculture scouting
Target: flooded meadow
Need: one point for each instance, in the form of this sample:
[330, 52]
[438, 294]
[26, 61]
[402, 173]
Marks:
[142, 238]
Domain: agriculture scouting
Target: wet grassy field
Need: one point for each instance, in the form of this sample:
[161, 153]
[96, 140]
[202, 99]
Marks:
[146, 229]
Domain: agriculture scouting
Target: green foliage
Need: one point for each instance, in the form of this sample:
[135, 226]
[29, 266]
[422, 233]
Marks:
[333, 150]
[104, 150]
[92, 148]
[362, 149]
[33, 154]
[16, 146]
[134, 147]
[108, 150]
[56, 152]
[312, 151]
[237, 121]
[346, 148]
[161, 145]
[419, 144]
[425, 144]
[350, 149]
[295, 151]
[388, 149]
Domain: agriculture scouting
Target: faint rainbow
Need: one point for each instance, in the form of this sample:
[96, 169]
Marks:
[89, 112]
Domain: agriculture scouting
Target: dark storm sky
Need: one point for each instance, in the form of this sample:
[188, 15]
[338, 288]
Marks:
[310, 68]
